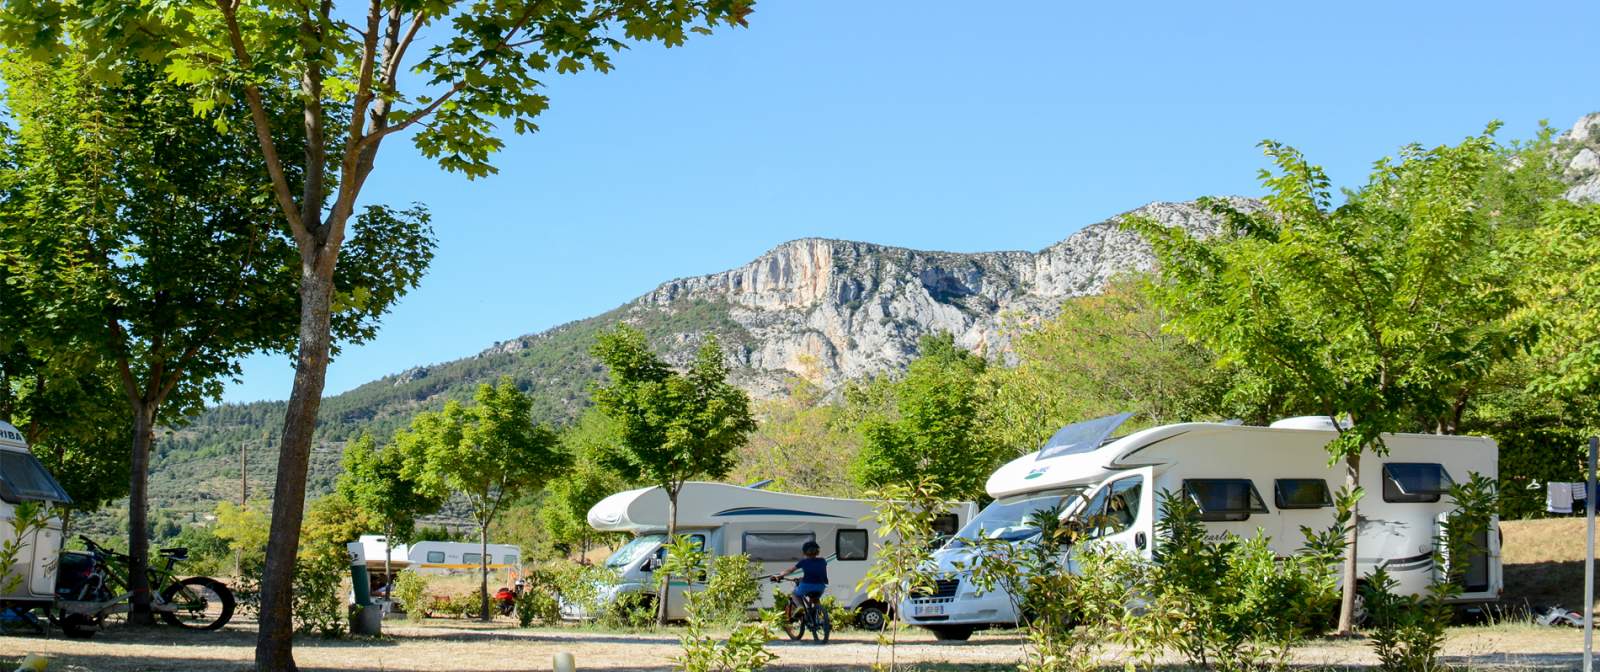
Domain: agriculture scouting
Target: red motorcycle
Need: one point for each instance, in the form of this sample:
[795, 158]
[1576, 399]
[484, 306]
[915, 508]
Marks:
[505, 601]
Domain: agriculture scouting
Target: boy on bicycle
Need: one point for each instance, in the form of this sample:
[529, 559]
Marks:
[814, 573]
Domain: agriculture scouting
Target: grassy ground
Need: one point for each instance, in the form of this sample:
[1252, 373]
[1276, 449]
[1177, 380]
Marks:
[1544, 562]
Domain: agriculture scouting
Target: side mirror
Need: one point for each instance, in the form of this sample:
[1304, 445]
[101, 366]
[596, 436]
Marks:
[651, 565]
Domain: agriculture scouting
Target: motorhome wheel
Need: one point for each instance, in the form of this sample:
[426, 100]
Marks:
[870, 616]
[78, 626]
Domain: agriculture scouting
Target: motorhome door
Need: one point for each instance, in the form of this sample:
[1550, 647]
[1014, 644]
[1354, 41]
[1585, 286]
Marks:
[1122, 512]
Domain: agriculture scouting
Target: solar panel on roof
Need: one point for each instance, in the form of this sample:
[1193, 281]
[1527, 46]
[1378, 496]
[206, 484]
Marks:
[1081, 437]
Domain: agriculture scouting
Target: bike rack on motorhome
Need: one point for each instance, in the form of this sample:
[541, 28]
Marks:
[769, 527]
[1275, 479]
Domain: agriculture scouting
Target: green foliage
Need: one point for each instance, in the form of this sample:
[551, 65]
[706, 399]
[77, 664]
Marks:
[730, 589]
[563, 513]
[486, 453]
[745, 649]
[323, 563]
[244, 530]
[673, 426]
[28, 519]
[1213, 593]
[540, 599]
[410, 590]
[932, 431]
[1563, 290]
[803, 443]
[1408, 631]
[905, 515]
[376, 482]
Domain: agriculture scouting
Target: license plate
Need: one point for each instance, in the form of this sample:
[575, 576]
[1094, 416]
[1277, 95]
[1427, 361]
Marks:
[928, 610]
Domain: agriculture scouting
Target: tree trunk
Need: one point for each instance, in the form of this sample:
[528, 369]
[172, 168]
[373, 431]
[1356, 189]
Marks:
[1347, 598]
[139, 516]
[274, 639]
[388, 570]
[664, 591]
[483, 568]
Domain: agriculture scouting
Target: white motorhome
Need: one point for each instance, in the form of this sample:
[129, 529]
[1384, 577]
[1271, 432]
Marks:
[769, 527]
[1243, 479]
[23, 479]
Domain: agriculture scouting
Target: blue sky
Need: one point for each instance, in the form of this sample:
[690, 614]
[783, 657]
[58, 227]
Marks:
[938, 125]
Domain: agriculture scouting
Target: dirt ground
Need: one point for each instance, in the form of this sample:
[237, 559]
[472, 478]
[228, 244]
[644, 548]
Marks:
[1544, 562]
[455, 646]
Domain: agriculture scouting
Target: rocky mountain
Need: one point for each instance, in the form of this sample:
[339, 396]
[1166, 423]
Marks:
[1580, 150]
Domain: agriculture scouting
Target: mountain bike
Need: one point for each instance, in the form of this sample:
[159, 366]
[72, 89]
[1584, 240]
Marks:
[93, 585]
[802, 614]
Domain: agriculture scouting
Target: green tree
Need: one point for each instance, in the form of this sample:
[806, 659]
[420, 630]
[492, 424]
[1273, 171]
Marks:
[376, 482]
[932, 431]
[803, 443]
[487, 453]
[564, 513]
[1380, 310]
[354, 67]
[150, 221]
[673, 426]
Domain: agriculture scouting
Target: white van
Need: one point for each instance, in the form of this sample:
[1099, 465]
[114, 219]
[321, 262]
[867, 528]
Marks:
[769, 527]
[23, 479]
[1243, 479]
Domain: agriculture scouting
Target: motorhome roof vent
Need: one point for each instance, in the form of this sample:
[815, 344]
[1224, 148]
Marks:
[1318, 422]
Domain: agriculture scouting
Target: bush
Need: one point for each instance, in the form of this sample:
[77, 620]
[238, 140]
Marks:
[730, 590]
[539, 599]
[1231, 603]
[1407, 632]
[410, 590]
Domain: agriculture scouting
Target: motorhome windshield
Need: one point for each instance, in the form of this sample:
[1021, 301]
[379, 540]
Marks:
[1008, 519]
[634, 549]
[22, 478]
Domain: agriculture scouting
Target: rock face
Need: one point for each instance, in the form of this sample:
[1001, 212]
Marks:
[833, 310]
[1580, 150]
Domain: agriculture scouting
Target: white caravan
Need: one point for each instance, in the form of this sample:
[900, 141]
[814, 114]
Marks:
[445, 557]
[1274, 479]
[23, 479]
[769, 527]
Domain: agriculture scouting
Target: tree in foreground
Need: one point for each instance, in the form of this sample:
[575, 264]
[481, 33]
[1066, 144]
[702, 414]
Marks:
[359, 83]
[1376, 311]
[488, 453]
[928, 425]
[376, 482]
[563, 515]
[673, 426]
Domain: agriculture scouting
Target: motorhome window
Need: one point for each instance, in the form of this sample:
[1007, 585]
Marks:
[946, 524]
[1008, 519]
[776, 546]
[22, 479]
[435, 556]
[1224, 499]
[1414, 482]
[511, 560]
[632, 550]
[471, 558]
[1121, 507]
[851, 544]
[1301, 493]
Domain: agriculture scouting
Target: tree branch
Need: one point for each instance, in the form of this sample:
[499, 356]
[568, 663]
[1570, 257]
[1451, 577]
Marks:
[258, 116]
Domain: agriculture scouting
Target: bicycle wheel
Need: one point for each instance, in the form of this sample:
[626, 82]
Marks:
[794, 622]
[199, 603]
[821, 625]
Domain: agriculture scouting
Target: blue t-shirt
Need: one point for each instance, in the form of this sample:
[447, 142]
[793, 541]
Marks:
[813, 571]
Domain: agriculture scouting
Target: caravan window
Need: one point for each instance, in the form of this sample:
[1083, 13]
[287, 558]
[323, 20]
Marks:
[435, 556]
[1113, 509]
[511, 559]
[850, 544]
[471, 558]
[776, 546]
[1224, 499]
[1414, 482]
[22, 478]
[1301, 493]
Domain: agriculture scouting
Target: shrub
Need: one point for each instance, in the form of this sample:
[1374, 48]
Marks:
[539, 599]
[410, 590]
[746, 646]
[906, 513]
[1407, 632]
[1215, 592]
[730, 589]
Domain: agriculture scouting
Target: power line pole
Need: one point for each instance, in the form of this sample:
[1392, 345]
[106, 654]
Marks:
[1588, 559]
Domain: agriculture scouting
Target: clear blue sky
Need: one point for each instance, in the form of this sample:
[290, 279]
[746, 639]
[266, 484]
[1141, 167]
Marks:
[961, 126]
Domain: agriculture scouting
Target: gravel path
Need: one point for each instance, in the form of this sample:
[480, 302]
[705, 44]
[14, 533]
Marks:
[448, 646]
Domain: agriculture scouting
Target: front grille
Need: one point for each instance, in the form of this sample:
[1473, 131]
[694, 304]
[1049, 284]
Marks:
[942, 588]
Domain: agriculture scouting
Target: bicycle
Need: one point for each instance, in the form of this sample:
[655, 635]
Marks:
[802, 614]
[93, 585]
